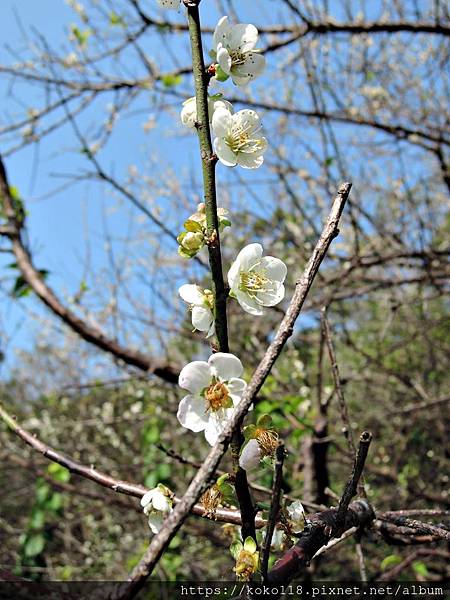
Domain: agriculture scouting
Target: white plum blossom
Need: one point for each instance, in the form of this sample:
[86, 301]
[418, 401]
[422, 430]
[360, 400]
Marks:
[250, 456]
[297, 518]
[238, 138]
[201, 303]
[215, 388]
[255, 280]
[234, 50]
[157, 504]
[175, 4]
[188, 113]
[278, 541]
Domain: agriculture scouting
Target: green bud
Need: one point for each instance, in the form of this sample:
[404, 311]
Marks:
[193, 226]
[190, 243]
[220, 74]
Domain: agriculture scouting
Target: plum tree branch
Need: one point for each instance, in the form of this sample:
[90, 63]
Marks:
[209, 161]
[90, 333]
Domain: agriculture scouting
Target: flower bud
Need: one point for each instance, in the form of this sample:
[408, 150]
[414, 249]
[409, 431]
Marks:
[190, 243]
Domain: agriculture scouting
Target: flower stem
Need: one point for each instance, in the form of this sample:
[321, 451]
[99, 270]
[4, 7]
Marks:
[209, 176]
[209, 161]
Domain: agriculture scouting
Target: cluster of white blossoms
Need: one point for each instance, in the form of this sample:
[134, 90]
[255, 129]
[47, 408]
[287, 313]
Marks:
[237, 137]
[215, 387]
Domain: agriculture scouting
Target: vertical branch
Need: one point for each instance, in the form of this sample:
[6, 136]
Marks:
[337, 382]
[352, 483]
[274, 508]
[209, 174]
[209, 161]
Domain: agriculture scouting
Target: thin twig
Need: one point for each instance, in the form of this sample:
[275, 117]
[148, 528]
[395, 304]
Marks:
[361, 561]
[337, 382]
[335, 542]
[441, 531]
[274, 508]
[352, 484]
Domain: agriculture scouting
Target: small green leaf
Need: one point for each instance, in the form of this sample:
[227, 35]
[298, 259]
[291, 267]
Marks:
[420, 568]
[55, 502]
[171, 80]
[58, 472]
[194, 226]
[250, 545]
[34, 545]
[37, 519]
[220, 74]
[21, 288]
[81, 36]
[235, 549]
[264, 421]
[43, 491]
[249, 432]
[222, 479]
[390, 561]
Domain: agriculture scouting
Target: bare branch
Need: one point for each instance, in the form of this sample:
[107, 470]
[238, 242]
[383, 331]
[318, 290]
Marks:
[90, 333]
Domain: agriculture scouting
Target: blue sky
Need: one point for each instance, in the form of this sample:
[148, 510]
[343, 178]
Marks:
[59, 216]
[67, 224]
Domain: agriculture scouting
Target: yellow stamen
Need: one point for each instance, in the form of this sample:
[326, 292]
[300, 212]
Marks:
[217, 396]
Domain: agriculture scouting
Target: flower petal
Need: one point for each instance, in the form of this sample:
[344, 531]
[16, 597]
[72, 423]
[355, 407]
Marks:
[236, 386]
[250, 305]
[212, 330]
[272, 298]
[225, 366]
[249, 256]
[221, 32]
[224, 153]
[248, 119]
[216, 424]
[250, 161]
[274, 267]
[242, 37]
[195, 376]
[251, 68]
[191, 293]
[160, 501]
[155, 521]
[191, 413]
[169, 3]
[222, 121]
[201, 318]
[233, 275]
[224, 60]
[189, 112]
[250, 456]
[147, 498]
